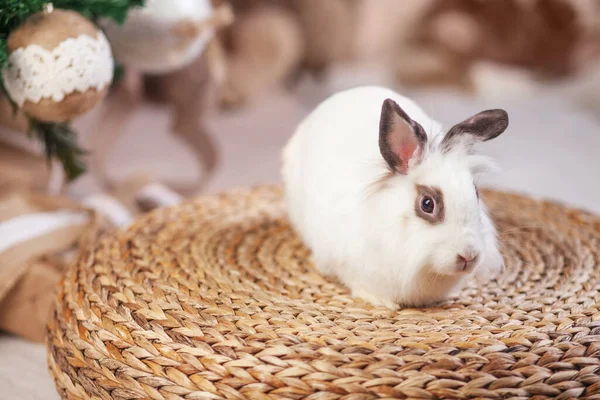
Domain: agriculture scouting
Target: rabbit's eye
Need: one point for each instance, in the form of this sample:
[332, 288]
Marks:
[427, 204]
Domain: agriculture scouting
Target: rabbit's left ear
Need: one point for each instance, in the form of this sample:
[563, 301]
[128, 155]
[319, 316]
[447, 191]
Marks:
[479, 128]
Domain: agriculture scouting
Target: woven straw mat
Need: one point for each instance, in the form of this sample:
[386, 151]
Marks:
[217, 298]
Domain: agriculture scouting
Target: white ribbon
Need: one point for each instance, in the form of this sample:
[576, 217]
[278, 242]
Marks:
[26, 227]
[162, 195]
[110, 208]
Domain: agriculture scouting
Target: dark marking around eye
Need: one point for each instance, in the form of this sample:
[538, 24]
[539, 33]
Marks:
[435, 194]
[476, 190]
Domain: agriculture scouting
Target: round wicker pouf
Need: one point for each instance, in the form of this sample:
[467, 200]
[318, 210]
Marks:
[217, 298]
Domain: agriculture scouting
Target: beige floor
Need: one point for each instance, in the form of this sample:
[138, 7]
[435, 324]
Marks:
[552, 149]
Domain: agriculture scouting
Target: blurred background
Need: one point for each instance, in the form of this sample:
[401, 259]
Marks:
[221, 121]
[212, 112]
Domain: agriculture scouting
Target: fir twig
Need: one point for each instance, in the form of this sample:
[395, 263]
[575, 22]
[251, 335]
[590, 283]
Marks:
[118, 73]
[94, 9]
[3, 53]
[12, 14]
[60, 142]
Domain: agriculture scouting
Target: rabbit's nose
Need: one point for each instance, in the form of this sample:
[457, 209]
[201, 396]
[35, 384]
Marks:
[466, 259]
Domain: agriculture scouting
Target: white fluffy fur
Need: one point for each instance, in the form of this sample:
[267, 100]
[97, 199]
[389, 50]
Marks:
[370, 237]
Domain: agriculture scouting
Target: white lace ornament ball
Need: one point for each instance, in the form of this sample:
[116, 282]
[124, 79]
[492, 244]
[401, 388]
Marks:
[161, 37]
[60, 65]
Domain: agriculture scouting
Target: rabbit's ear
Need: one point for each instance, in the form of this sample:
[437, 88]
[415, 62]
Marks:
[479, 128]
[402, 140]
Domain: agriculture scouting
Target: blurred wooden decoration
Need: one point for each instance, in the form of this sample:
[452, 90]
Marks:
[550, 39]
[264, 46]
[141, 193]
[39, 236]
[272, 43]
[189, 92]
[223, 15]
[35, 233]
[381, 25]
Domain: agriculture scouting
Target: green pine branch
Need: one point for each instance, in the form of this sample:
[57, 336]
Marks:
[12, 14]
[60, 142]
[94, 9]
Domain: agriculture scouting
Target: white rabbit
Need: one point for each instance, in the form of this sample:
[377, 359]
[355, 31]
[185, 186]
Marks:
[386, 201]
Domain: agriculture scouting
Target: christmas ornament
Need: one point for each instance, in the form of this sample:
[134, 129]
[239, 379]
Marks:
[59, 65]
[165, 35]
[56, 64]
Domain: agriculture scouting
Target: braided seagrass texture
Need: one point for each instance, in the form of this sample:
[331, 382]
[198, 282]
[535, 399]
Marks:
[217, 298]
